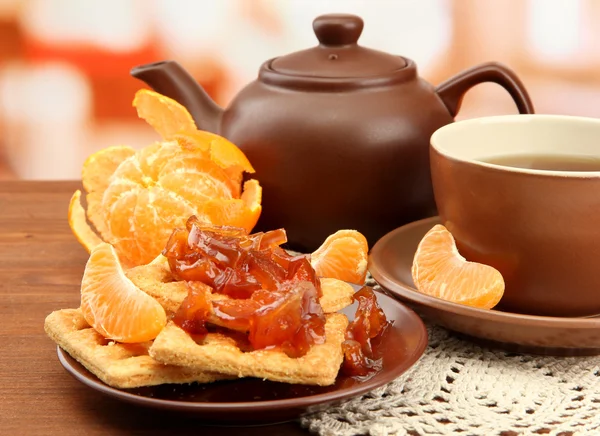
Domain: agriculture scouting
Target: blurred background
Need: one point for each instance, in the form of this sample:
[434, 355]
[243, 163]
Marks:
[65, 89]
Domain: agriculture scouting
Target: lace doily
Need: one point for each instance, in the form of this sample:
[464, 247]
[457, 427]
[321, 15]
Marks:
[460, 388]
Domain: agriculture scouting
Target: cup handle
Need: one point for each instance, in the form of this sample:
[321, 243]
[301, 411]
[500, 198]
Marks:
[453, 90]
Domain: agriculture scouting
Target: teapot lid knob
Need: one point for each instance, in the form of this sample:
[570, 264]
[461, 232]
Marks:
[337, 60]
[338, 29]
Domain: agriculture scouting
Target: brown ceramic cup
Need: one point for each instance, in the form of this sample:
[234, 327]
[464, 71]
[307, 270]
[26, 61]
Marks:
[539, 228]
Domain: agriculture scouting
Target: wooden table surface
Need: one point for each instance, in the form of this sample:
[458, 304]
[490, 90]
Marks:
[41, 265]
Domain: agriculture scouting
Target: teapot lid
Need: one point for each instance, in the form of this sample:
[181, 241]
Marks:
[338, 54]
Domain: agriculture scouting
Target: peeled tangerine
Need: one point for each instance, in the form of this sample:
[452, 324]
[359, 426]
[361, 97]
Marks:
[136, 198]
[440, 271]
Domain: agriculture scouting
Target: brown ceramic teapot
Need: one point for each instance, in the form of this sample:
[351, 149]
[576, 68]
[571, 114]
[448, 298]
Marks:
[338, 134]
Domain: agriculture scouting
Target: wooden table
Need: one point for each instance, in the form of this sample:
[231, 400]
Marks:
[41, 265]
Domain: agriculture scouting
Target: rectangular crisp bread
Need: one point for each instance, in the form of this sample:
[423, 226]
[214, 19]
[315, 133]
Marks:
[218, 352]
[119, 365]
[155, 279]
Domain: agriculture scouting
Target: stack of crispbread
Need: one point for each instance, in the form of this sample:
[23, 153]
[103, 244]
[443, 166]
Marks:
[176, 357]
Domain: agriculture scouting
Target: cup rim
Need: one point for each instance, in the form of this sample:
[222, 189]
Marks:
[521, 118]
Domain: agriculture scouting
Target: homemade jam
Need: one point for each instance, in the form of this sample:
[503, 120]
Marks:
[273, 296]
[235, 263]
[369, 324]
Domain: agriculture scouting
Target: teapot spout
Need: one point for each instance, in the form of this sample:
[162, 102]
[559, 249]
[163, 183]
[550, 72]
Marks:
[170, 79]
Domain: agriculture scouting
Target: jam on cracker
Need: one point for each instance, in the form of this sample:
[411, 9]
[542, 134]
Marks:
[273, 296]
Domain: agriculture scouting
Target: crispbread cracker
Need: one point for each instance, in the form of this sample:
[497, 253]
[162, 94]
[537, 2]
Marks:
[155, 279]
[118, 365]
[218, 352]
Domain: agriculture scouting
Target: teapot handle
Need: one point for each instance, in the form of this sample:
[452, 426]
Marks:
[453, 90]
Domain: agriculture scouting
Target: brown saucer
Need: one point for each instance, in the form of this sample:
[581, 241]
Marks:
[253, 401]
[390, 263]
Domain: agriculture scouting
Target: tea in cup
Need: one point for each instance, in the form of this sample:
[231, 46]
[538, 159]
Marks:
[522, 193]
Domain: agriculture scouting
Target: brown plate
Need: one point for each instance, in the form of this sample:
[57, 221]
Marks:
[390, 263]
[256, 401]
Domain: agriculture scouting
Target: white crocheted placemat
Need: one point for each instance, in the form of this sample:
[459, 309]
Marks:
[460, 388]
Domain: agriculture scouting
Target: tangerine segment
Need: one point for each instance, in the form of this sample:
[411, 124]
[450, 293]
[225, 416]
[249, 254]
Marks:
[152, 160]
[95, 175]
[157, 213]
[197, 179]
[440, 271]
[126, 177]
[121, 229]
[129, 171]
[79, 226]
[342, 256]
[164, 114]
[113, 305]
[98, 168]
[141, 221]
[243, 212]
